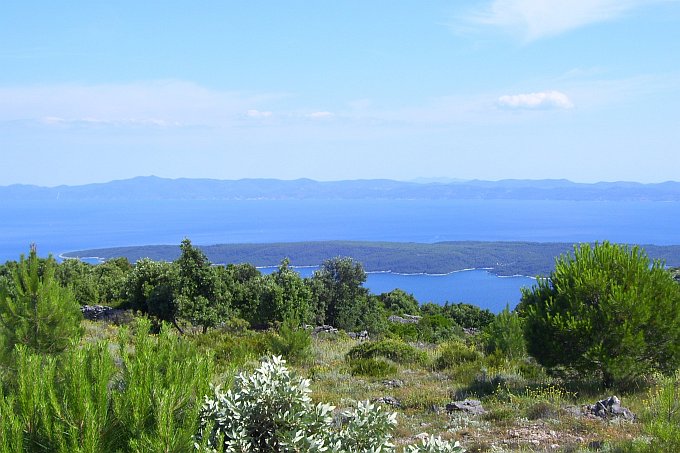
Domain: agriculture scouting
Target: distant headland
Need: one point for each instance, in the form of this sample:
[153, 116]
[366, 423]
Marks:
[500, 258]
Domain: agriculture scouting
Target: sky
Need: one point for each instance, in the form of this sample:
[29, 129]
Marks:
[587, 90]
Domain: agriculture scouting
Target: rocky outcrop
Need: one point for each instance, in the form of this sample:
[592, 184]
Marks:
[324, 329]
[467, 406]
[361, 336]
[406, 319]
[389, 400]
[104, 313]
[393, 383]
[610, 408]
[330, 330]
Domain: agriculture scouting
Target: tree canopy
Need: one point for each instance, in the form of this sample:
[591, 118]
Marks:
[605, 311]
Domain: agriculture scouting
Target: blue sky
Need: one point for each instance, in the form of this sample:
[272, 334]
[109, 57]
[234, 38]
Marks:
[587, 90]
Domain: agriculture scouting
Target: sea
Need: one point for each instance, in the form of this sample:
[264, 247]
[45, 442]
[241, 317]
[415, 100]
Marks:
[60, 226]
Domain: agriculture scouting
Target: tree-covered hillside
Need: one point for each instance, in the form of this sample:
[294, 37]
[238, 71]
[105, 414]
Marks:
[502, 258]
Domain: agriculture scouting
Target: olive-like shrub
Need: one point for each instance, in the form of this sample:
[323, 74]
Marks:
[271, 410]
[435, 445]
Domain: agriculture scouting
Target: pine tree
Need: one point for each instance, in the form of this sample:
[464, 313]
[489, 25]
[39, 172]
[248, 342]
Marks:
[35, 310]
[608, 311]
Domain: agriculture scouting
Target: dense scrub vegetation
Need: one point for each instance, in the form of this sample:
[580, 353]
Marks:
[606, 322]
[191, 291]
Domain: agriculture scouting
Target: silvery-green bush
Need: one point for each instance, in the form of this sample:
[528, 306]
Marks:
[435, 445]
[270, 410]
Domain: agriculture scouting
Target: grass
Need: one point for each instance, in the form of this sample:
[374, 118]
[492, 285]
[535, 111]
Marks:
[527, 410]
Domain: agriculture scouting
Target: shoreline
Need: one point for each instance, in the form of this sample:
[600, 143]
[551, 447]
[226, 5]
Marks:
[403, 274]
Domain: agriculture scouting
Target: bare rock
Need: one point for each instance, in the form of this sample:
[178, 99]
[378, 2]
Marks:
[389, 400]
[406, 319]
[468, 406]
[324, 329]
[104, 313]
[393, 383]
[610, 408]
[361, 336]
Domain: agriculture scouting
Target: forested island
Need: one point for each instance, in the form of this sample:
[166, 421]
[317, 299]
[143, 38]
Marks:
[500, 258]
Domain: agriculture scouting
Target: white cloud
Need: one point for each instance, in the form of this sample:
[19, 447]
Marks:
[534, 19]
[320, 115]
[252, 113]
[536, 101]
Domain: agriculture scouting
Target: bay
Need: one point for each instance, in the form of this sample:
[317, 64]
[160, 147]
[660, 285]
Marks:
[60, 226]
[473, 286]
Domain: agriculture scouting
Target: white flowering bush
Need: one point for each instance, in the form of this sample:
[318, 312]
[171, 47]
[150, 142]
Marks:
[271, 411]
[435, 445]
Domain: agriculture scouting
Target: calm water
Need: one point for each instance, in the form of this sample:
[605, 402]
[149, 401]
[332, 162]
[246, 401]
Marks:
[477, 287]
[60, 226]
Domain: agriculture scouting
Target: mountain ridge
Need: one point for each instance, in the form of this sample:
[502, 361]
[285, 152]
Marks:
[157, 188]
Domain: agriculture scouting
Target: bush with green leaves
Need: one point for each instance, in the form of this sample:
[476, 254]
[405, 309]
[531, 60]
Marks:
[80, 277]
[372, 367]
[395, 350]
[291, 342]
[464, 315]
[271, 410]
[230, 349]
[342, 301]
[400, 302]
[504, 336]
[607, 312]
[432, 328]
[455, 353]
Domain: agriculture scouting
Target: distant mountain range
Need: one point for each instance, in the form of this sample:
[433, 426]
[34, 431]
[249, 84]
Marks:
[155, 188]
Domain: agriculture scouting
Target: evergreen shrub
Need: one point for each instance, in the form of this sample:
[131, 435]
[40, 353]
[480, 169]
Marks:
[291, 342]
[35, 310]
[388, 348]
[454, 353]
[607, 312]
[504, 336]
[372, 367]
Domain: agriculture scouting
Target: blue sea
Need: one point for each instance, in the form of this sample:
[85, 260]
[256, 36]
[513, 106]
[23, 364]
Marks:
[61, 226]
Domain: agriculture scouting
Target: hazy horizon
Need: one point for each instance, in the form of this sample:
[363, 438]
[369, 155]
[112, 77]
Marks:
[417, 180]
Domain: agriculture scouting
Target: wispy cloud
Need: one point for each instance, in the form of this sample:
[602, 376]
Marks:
[319, 115]
[158, 103]
[535, 101]
[86, 122]
[253, 113]
[535, 19]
